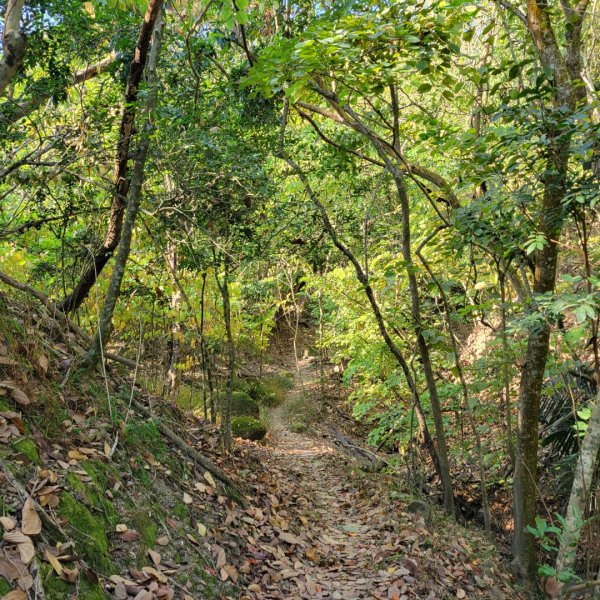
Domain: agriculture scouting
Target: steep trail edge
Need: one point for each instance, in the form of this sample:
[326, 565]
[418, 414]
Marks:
[338, 534]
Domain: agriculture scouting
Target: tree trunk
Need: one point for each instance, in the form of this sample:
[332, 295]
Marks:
[117, 211]
[226, 407]
[584, 475]
[567, 91]
[174, 372]
[203, 357]
[133, 204]
[14, 43]
[422, 346]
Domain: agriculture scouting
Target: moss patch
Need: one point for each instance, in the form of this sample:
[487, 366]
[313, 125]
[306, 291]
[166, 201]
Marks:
[27, 447]
[5, 405]
[4, 587]
[248, 428]
[298, 427]
[182, 512]
[57, 589]
[88, 531]
[144, 436]
[92, 491]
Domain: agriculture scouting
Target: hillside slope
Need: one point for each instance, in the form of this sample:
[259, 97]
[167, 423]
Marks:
[101, 500]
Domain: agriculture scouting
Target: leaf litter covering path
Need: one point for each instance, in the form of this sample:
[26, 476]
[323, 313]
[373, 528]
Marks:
[331, 532]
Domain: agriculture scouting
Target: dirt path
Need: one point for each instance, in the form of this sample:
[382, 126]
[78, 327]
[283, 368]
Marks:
[333, 532]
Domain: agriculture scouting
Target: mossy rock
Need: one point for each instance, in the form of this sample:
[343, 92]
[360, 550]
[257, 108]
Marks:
[27, 447]
[248, 428]
[242, 405]
[269, 391]
[88, 531]
[298, 427]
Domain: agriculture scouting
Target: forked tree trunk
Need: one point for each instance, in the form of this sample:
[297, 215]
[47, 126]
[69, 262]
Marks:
[104, 329]
[436, 410]
[121, 193]
[364, 281]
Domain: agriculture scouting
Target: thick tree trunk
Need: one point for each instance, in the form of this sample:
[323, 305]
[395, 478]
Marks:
[567, 92]
[133, 204]
[14, 43]
[117, 211]
[538, 342]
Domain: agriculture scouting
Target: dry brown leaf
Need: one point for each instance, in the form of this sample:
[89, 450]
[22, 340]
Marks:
[154, 574]
[7, 523]
[289, 538]
[20, 397]
[154, 557]
[209, 478]
[187, 499]
[232, 572]
[163, 540]
[121, 527]
[15, 595]
[76, 455]
[131, 535]
[26, 551]
[70, 575]
[54, 562]
[221, 559]
[31, 523]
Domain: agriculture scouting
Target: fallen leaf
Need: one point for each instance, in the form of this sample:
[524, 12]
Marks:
[31, 523]
[163, 540]
[76, 455]
[15, 595]
[121, 527]
[131, 535]
[187, 499]
[19, 397]
[201, 529]
[70, 575]
[54, 562]
[289, 538]
[460, 593]
[26, 551]
[7, 523]
[154, 557]
[221, 559]
[209, 478]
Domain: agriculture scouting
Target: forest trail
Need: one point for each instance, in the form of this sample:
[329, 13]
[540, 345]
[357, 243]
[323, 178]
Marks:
[340, 536]
[343, 545]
